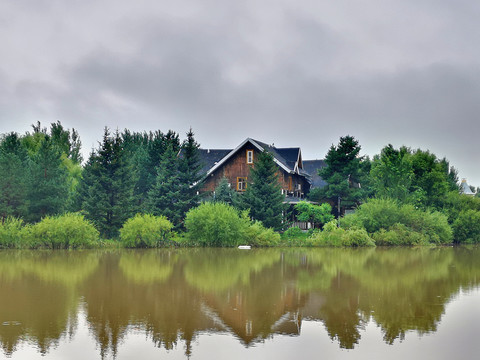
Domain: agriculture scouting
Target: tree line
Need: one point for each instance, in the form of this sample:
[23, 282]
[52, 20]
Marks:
[41, 174]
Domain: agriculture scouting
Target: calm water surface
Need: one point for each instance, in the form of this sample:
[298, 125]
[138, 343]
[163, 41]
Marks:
[239, 304]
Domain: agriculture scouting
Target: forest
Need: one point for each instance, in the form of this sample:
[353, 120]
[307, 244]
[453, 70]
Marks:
[142, 189]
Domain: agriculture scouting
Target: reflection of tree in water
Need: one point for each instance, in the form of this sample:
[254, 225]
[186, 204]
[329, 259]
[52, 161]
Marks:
[165, 308]
[38, 302]
[340, 313]
[173, 295]
[401, 289]
[220, 269]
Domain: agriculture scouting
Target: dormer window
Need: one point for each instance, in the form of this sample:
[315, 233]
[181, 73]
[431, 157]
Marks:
[249, 156]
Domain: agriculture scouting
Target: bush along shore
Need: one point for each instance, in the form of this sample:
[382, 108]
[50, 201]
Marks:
[145, 190]
[377, 222]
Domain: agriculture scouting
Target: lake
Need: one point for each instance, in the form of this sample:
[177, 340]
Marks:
[414, 303]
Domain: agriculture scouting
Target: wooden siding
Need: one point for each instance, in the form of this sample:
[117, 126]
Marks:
[237, 167]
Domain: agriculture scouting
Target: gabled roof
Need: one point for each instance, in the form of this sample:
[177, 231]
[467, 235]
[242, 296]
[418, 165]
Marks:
[311, 167]
[286, 164]
[209, 158]
[288, 156]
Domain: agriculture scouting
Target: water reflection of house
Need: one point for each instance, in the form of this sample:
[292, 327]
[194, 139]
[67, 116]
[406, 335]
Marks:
[252, 318]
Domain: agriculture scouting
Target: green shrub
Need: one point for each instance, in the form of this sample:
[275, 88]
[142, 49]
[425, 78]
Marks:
[69, 231]
[357, 237]
[146, 230]
[316, 214]
[258, 235]
[334, 236]
[216, 224]
[466, 228]
[221, 225]
[382, 215]
[12, 233]
[292, 232]
[399, 234]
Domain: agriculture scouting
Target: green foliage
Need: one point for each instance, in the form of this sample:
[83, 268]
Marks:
[386, 214]
[11, 233]
[344, 172]
[316, 214]
[263, 196]
[392, 173]
[146, 230]
[466, 228]
[189, 175]
[332, 235]
[399, 234]
[221, 225]
[296, 237]
[433, 176]
[216, 224]
[224, 193]
[48, 182]
[13, 177]
[69, 231]
[454, 203]
[163, 198]
[294, 231]
[106, 189]
[258, 235]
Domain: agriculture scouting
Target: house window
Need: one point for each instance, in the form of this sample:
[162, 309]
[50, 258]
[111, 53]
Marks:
[249, 156]
[241, 183]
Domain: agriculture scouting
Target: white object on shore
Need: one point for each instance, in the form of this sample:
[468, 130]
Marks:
[245, 247]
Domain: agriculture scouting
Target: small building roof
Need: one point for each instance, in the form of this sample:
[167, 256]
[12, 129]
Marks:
[311, 167]
[465, 189]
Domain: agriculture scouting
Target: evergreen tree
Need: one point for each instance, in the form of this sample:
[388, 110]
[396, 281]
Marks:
[263, 195]
[106, 189]
[224, 193]
[163, 198]
[48, 182]
[13, 177]
[343, 173]
[189, 174]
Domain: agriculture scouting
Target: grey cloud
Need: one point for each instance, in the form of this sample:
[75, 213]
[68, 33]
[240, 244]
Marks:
[297, 75]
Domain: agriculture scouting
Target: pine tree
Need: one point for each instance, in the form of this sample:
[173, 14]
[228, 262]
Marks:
[263, 195]
[106, 189]
[343, 172]
[13, 177]
[48, 182]
[163, 198]
[189, 174]
[224, 193]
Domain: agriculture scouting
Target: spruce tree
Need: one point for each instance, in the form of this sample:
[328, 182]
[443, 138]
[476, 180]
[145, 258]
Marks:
[48, 182]
[163, 198]
[263, 195]
[189, 174]
[107, 187]
[13, 177]
[224, 193]
[343, 172]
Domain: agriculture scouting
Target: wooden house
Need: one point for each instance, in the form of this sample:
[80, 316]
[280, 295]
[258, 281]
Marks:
[235, 165]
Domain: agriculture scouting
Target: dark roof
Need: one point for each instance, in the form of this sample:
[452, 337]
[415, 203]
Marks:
[208, 157]
[311, 167]
[287, 156]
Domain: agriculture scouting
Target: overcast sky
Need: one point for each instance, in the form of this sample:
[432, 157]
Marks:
[288, 72]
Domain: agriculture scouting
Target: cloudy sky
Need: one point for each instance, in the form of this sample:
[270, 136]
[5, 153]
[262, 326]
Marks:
[288, 72]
